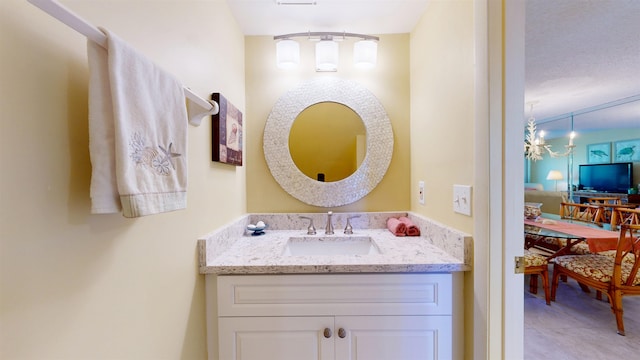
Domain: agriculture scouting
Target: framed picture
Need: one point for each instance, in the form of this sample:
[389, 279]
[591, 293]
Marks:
[226, 132]
[599, 153]
[627, 150]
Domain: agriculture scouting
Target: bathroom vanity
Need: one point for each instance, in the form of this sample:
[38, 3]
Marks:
[346, 316]
[367, 295]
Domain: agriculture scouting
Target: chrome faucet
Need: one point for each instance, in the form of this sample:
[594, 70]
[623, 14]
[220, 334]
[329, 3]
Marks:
[311, 230]
[328, 230]
[348, 230]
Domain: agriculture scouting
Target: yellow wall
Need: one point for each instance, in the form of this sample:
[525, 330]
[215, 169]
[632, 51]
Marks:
[442, 128]
[389, 82]
[82, 286]
[442, 109]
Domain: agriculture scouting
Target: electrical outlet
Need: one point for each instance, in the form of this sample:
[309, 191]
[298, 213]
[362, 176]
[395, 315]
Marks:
[421, 192]
[462, 199]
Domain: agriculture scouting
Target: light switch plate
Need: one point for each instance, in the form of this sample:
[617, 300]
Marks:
[421, 192]
[462, 199]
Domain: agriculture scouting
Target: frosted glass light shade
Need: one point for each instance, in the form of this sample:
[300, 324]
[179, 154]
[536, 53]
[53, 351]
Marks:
[326, 55]
[287, 53]
[554, 175]
[365, 54]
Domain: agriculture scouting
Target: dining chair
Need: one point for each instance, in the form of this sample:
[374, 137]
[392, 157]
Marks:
[606, 203]
[587, 213]
[616, 276]
[621, 215]
[537, 264]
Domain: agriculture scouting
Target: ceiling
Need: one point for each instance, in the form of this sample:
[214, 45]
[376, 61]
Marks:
[580, 54]
[266, 17]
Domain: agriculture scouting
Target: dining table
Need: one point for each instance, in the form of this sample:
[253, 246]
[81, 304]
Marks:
[596, 238]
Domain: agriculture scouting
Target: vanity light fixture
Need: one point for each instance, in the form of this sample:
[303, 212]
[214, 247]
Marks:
[327, 55]
[365, 54]
[288, 53]
[365, 51]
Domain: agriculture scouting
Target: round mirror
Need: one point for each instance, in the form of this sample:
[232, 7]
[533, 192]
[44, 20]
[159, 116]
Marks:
[327, 141]
[379, 142]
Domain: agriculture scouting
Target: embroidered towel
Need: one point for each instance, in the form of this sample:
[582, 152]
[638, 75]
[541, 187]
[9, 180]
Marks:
[137, 133]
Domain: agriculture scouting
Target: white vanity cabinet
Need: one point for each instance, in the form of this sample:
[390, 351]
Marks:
[341, 317]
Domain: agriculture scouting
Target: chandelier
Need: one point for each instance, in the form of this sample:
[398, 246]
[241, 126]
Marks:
[535, 147]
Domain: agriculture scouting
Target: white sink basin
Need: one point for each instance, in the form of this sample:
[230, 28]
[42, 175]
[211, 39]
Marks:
[331, 245]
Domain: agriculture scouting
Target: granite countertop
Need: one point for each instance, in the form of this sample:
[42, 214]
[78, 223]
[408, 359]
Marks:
[265, 254]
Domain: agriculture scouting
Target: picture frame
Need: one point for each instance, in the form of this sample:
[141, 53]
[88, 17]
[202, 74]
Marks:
[627, 150]
[599, 153]
[227, 132]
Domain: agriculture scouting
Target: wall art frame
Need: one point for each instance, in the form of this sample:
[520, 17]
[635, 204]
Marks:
[627, 150]
[599, 153]
[226, 132]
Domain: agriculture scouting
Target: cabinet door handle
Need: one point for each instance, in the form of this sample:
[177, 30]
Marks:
[342, 333]
[327, 333]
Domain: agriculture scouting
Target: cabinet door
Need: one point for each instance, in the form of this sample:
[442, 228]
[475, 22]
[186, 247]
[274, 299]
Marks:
[393, 337]
[276, 338]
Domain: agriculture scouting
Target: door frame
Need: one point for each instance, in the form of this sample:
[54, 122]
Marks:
[498, 303]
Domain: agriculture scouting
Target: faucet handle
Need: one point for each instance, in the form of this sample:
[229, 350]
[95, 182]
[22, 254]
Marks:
[311, 230]
[348, 230]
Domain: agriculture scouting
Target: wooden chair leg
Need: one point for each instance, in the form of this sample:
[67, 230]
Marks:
[545, 286]
[616, 307]
[554, 284]
[533, 283]
[584, 287]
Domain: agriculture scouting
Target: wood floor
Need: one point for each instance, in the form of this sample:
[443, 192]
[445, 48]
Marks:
[578, 326]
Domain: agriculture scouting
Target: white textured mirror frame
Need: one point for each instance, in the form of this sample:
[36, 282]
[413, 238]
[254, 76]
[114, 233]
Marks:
[379, 142]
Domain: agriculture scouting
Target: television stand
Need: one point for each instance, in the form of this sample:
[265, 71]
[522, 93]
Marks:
[583, 196]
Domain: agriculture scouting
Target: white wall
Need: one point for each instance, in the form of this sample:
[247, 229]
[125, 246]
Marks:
[82, 286]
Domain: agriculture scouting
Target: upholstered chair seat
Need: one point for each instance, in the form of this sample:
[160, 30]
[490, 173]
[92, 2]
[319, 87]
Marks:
[537, 264]
[533, 259]
[597, 266]
[616, 273]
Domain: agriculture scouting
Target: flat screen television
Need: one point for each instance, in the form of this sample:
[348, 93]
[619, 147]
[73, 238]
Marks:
[614, 178]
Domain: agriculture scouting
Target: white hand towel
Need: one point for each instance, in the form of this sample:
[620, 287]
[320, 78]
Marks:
[138, 133]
